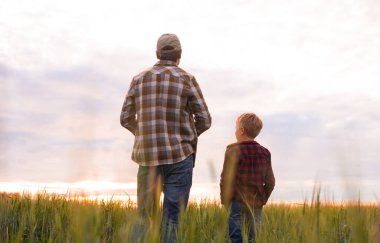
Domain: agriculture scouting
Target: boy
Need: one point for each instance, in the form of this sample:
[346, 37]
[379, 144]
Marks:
[247, 178]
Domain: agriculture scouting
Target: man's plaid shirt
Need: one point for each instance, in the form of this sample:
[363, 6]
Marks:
[247, 175]
[166, 111]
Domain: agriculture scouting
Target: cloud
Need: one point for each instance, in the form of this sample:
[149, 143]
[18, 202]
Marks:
[325, 137]
[66, 119]
[306, 71]
[59, 119]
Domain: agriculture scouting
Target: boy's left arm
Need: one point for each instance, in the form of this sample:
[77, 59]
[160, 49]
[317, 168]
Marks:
[227, 177]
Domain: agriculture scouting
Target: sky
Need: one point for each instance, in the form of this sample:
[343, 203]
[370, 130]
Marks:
[309, 69]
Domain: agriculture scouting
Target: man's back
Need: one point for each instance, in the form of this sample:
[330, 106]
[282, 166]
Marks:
[166, 111]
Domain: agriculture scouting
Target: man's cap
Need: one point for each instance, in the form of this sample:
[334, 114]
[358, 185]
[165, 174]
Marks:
[168, 43]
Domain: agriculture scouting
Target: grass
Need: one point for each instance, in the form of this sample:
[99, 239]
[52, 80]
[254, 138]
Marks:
[58, 218]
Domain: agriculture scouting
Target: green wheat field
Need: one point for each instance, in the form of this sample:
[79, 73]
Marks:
[59, 218]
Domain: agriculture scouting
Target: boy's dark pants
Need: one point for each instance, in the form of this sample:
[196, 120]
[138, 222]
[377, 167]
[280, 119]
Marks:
[240, 216]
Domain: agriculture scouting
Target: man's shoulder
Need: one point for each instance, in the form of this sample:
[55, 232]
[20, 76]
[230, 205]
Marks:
[179, 72]
[159, 69]
[143, 73]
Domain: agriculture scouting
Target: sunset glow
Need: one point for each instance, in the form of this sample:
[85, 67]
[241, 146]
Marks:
[310, 69]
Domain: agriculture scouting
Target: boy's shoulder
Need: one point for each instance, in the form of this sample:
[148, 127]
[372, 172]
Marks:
[246, 145]
[233, 145]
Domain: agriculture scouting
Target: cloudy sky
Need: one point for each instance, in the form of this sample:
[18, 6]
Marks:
[310, 69]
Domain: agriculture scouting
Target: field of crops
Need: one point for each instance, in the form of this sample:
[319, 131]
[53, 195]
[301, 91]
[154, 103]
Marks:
[57, 218]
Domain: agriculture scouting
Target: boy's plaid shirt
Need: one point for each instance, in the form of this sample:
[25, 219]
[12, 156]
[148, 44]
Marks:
[247, 175]
[166, 111]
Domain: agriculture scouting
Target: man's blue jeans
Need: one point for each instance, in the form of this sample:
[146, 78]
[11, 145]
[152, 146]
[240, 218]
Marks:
[175, 181]
[240, 216]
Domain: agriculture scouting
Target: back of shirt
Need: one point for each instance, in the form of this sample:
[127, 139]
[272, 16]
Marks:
[247, 174]
[166, 112]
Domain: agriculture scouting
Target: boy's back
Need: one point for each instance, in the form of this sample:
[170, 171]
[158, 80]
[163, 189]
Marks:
[247, 175]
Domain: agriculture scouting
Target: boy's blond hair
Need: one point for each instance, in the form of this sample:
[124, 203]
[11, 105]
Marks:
[251, 124]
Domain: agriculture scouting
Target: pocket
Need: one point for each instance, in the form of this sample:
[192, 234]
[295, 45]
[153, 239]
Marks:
[182, 173]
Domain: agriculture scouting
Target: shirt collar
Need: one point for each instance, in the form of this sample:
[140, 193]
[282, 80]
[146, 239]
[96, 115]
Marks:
[243, 143]
[165, 63]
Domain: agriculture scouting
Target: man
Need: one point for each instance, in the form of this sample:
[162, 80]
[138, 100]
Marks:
[166, 111]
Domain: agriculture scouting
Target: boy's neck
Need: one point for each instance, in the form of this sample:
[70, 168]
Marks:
[245, 140]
